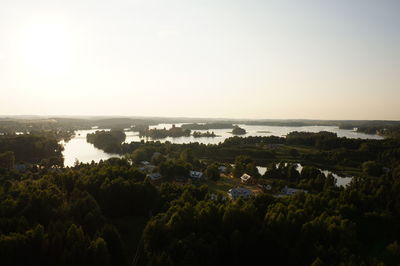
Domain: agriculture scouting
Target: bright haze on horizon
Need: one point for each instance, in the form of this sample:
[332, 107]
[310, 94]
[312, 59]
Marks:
[207, 58]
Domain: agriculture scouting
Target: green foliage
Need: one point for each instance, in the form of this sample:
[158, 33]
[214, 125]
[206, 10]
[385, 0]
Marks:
[73, 216]
[244, 164]
[238, 131]
[30, 148]
[63, 217]
[164, 133]
[187, 156]
[7, 160]
[372, 168]
[109, 141]
[212, 172]
[198, 134]
[99, 252]
[175, 168]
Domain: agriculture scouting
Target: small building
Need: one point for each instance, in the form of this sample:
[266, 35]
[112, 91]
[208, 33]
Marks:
[245, 178]
[154, 176]
[222, 169]
[291, 191]
[20, 167]
[145, 162]
[196, 174]
[235, 193]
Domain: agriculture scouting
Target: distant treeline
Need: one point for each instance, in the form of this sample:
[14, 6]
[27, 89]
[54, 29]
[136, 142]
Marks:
[389, 129]
[207, 126]
[12, 125]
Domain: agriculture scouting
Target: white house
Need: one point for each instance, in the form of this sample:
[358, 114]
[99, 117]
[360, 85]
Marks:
[235, 193]
[196, 174]
[245, 178]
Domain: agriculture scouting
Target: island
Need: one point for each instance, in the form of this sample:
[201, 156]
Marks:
[208, 134]
[238, 131]
[109, 141]
[173, 132]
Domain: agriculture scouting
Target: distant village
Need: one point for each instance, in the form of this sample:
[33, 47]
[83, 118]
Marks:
[246, 185]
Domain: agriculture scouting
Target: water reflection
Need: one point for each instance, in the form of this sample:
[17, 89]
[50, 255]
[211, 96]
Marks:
[222, 134]
[78, 149]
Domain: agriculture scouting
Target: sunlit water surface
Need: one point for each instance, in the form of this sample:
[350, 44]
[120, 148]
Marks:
[78, 149]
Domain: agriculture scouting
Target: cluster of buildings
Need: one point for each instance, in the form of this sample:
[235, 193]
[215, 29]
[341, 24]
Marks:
[233, 193]
[149, 168]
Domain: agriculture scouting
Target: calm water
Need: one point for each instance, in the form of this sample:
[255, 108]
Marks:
[78, 149]
[254, 131]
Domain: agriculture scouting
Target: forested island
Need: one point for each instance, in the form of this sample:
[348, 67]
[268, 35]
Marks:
[197, 204]
[173, 132]
[238, 131]
[198, 134]
[109, 141]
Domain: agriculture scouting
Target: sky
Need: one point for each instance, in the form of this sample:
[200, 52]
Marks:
[280, 59]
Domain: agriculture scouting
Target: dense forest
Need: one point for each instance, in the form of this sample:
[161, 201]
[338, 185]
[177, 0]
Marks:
[94, 214]
[113, 213]
[109, 141]
[32, 148]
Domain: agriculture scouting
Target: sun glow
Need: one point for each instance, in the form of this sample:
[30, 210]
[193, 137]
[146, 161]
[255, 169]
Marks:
[46, 49]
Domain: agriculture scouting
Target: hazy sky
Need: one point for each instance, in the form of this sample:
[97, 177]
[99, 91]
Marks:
[333, 59]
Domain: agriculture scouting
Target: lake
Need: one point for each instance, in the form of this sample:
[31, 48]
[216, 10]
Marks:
[78, 149]
[255, 131]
